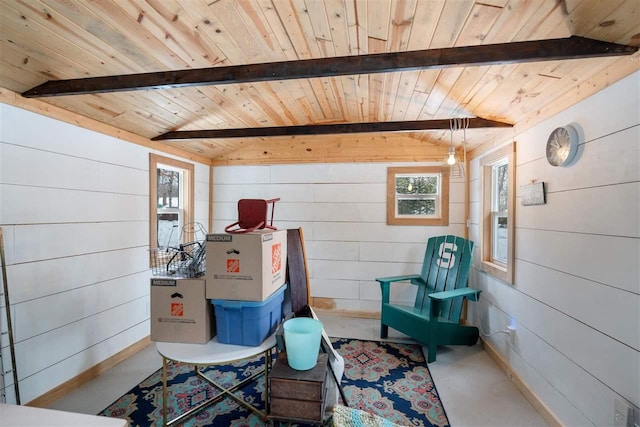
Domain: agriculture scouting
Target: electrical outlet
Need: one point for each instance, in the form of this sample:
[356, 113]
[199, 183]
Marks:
[512, 334]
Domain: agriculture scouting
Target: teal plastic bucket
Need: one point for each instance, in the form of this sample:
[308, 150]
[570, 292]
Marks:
[302, 340]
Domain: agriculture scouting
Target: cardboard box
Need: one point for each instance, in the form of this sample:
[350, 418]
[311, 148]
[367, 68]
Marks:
[246, 267]
[180, 312]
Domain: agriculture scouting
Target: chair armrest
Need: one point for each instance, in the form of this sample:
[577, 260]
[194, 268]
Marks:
[385, 283]
[470, 293]
[392, 279]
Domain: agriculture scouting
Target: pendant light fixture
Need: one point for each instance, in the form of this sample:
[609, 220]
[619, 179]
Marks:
[452, 166]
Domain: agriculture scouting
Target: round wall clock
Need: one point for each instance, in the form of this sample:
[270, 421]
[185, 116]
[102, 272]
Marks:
[562, 146]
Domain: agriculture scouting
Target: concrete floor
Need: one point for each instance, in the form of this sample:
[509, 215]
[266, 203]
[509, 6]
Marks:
[475, 392]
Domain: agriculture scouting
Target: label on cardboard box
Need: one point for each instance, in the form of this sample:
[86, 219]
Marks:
[176, 309]
[276, 258]
[163, 282]
[219, 237]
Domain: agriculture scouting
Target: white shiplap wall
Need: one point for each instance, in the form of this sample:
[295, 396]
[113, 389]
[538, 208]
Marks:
[342, 211]
[575, 302]
[74, 212]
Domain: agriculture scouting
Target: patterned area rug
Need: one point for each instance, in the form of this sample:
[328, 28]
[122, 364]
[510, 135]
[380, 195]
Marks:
[387, 379]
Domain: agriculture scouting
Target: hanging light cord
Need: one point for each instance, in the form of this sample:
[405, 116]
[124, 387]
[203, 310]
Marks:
[456, 124]
[453, 126]
[465, 126]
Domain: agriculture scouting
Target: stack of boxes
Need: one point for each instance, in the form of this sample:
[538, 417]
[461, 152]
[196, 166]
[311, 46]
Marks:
[240, 296]
[245, 282]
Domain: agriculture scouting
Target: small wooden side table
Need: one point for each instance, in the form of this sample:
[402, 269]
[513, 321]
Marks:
[298, 396]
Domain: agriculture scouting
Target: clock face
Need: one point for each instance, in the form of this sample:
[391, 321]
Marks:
[562, 146]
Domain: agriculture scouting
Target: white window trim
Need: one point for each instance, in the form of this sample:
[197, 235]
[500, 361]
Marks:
[442, 201]
[430, 196]
[499, 270]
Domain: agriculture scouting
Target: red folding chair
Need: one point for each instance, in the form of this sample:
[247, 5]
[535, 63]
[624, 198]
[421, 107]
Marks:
[252, 216]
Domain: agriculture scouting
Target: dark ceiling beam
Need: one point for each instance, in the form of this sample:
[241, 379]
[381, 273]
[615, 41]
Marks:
[416, 125]
[491, 54]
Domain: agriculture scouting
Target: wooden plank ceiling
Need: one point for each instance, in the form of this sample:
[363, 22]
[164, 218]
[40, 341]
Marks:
[43, 40]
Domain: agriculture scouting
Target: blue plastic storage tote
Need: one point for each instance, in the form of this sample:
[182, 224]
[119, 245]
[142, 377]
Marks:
[248, 322]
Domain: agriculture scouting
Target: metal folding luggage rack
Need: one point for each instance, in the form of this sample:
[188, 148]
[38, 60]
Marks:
[185, 260]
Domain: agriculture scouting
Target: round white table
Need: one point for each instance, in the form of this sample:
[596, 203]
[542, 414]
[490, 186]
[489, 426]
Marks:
[209, 354]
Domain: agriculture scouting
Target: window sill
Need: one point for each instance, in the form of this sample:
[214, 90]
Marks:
[496, 270]
[417, 221]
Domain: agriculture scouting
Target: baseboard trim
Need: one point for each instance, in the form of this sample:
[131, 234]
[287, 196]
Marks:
[325, 305]
[56, 393]
[529, 394]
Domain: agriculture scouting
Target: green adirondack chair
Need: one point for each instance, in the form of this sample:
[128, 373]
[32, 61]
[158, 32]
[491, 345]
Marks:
[434, 319]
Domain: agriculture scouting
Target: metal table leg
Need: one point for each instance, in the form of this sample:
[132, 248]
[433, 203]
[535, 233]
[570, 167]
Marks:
[223, 392]
[164, 391]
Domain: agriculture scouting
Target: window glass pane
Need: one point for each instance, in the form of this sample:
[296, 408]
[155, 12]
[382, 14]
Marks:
[502, 186]
[499, 196]
[416, 184]
[168, 188]
[169, 229]
[500, 240]
[169, 214]
[416, 207]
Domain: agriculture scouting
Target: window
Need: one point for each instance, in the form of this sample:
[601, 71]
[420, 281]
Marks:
[417, 196]
[498, 212]
[170, 201]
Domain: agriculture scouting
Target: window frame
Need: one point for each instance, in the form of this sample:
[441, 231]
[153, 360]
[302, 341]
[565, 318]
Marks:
[188, 170]
[442, 200]
[501, 270]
